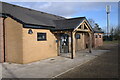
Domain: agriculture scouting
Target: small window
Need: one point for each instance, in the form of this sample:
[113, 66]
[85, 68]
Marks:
[77, 36]
[41, 36]
[99, 36]
[96, 36]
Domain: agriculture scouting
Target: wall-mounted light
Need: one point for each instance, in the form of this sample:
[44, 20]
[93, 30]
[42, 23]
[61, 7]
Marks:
[56, 41]
[30, 31]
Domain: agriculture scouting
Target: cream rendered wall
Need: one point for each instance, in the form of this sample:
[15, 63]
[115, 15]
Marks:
[21, 47]
[34, 50]
[13, 41]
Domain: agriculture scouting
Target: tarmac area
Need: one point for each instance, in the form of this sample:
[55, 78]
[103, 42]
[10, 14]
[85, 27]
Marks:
[104, 66]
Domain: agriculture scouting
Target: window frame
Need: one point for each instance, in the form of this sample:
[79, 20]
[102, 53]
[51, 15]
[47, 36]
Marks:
[78, 36]
[42, 34]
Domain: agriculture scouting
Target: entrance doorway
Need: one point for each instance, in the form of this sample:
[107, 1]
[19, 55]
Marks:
[64, 43]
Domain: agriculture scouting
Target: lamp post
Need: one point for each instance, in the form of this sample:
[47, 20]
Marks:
[108, 19]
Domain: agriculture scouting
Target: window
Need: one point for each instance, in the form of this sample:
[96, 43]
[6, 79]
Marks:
[99, 36]
[41, 36]
[96, 36]
[77, 36]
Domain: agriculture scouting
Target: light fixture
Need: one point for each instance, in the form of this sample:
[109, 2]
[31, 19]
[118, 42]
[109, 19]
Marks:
[30, 31]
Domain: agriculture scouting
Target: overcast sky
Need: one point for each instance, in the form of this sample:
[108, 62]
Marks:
[94, 10]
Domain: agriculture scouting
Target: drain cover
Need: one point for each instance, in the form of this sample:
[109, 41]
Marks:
[52, 59]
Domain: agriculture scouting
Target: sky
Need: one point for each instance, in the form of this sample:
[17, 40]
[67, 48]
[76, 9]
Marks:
[90, 10]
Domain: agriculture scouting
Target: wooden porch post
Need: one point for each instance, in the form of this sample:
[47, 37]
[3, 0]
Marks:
[72, 45]
[90, 42]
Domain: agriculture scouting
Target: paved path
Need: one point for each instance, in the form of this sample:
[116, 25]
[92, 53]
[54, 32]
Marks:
[48, 68]
[104, 66]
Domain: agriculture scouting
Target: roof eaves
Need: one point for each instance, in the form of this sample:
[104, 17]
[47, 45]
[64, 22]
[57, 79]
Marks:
[37, 27]
[62, 29]
[98, 32]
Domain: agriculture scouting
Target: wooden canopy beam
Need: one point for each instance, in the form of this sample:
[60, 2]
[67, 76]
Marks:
[82, 30]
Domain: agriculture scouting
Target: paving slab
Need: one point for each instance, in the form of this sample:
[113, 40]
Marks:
[48, 68]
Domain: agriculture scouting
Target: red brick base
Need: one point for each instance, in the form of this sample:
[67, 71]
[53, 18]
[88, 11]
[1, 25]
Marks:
[98, 41]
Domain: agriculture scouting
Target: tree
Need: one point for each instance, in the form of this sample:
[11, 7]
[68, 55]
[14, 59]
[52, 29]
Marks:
[97, 27]
[92, 22]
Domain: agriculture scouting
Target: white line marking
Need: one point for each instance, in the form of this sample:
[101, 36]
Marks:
[71, 69]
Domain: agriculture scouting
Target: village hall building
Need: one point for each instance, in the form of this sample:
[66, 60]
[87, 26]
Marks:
[28, 35]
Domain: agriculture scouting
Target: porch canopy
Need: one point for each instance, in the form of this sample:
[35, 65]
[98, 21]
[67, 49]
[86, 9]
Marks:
[71, 27]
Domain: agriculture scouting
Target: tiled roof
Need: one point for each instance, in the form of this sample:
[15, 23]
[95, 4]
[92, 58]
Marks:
[28, 16]
[68, 23]
[37, 19]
